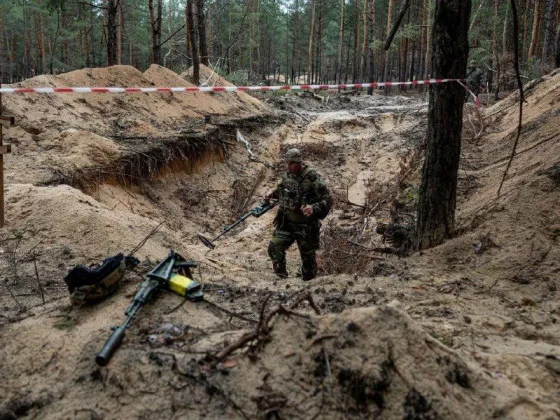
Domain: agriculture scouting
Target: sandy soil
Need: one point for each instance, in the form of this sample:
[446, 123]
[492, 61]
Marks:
[468, 329]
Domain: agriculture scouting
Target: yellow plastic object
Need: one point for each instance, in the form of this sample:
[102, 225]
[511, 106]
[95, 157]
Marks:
[183, 285]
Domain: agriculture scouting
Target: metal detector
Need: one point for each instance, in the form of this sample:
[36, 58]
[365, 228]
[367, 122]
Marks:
[256, 212]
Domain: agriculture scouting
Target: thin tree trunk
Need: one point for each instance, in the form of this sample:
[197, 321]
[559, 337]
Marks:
[365, 41]
[438, 190]
[340, 38]
[40, 40]
[557, 46]
[294, 43]
[155, 22]
[526, 13]
[548, 29]
[535, 31]
[387, 69]
[310, 48]
[429, 30]
[495, 52]
[371, 35]
[192, 37]
[3, 50]
[202, 32]
[506, 41]
[120, 35]
[112, 32]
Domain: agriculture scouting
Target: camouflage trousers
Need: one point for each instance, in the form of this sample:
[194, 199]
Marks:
[307, 237]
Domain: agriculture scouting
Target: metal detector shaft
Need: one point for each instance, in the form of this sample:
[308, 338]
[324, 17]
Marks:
[256, 212]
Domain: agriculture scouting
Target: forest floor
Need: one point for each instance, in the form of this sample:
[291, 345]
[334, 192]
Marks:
[468, 329]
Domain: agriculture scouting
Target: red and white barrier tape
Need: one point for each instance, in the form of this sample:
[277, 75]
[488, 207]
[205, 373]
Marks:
[219, 88]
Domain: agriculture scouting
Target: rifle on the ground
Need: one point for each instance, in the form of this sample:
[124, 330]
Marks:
[256, 212]
[174, 274]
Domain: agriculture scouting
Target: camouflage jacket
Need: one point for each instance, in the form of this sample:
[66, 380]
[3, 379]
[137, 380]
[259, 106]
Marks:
[474, 77]
[297, 190]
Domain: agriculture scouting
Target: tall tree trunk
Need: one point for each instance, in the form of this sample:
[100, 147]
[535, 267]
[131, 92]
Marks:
[155, 23]
[365, 41]
[201, 22]
[535, 31]
[548, 29]
[429, 30]
[557, 46]
[319, 41]
[387, 65]
[40, 39]
[506, 36]
[526, 13]
[438, 190]
[495, 52]
[112, 32]
[294, 43]
[192, 36]
[120, 34]
[355, 58]
[340, 38]
[310, 48]
[3, 50]
[371, 35]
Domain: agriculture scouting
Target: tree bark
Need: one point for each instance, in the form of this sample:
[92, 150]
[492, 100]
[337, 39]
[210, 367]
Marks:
[535, 31]
[371, 35]
[495, 52]
[294, 43]
[310, 49]
[112, 7]
[387, 65]
[155, 23]
[506, 36]
[120, 35]
[557, 44]
[428, 60]
[364, 41]
[340, 38]
[548, 29]
[437, 201]
[3, 50]
[201, 22]
[191, 36]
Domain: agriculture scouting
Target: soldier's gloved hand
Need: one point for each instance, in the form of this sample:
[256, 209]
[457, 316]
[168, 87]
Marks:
[267, 197]
[307, 210]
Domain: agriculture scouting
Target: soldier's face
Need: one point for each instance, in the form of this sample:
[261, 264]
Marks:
[294, 167]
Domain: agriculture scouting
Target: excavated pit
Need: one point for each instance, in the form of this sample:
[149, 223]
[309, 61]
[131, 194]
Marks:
[480, 337]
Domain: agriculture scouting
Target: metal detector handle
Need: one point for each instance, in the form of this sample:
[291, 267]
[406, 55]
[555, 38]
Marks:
[263, 208]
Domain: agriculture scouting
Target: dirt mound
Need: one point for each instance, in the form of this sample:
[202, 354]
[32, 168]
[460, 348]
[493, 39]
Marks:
[54, 228]
[305, 366]
[209, 78]
[368, 362]
[38, 152]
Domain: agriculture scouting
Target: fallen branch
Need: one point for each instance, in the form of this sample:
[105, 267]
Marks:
[263, 328]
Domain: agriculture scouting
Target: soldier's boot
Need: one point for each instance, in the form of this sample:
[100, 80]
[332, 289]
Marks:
[280, 270]
[308, 266]
[278, 256]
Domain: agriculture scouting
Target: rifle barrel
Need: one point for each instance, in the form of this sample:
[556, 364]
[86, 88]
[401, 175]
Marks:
[111, 345]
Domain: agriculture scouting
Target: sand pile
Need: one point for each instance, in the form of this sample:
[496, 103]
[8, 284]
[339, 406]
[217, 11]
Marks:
[38, 152]
[370, 362]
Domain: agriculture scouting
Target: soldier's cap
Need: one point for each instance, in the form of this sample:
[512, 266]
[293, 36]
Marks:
[473, 62]
[293, 155]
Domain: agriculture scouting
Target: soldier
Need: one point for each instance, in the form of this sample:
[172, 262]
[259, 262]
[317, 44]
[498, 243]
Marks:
[304, 200]
[474, 79]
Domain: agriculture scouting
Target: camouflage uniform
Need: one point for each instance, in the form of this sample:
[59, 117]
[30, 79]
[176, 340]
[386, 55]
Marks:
[474, 79]
[294, 191]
